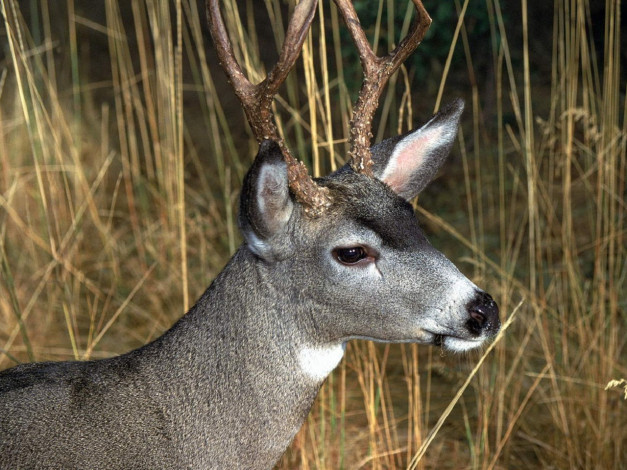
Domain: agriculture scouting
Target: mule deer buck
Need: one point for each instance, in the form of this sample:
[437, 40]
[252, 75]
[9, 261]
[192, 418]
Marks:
[323, 262]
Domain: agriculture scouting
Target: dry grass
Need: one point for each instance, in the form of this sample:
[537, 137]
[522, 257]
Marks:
[117, 202]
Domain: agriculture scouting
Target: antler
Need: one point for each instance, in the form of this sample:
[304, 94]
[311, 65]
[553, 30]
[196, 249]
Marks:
[377, 70]
[257, 99]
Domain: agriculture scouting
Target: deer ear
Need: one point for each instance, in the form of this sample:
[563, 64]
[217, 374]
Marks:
[265, 202]
[409, 162]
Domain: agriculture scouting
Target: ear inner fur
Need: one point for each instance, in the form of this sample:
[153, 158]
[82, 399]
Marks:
[409, 155]
[409, 163]
[265, 202]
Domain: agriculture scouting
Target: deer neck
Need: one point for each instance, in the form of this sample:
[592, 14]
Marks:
[246, 356]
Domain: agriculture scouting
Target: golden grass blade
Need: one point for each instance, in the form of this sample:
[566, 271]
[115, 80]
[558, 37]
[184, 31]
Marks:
[118, 312]
[433, 433]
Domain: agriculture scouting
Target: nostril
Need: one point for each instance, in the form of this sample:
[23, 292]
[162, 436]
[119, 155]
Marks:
[484, 315]
[476, 322]
[478, 317]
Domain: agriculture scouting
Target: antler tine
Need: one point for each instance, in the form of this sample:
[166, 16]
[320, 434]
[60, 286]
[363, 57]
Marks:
[377, 71]
[297, 30]
[257, 99]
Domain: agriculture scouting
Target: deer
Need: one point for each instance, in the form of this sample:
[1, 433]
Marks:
[323, 261]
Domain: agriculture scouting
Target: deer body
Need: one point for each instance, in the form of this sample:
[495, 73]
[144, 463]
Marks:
[222, 389]
[230, 384]
[323, 262]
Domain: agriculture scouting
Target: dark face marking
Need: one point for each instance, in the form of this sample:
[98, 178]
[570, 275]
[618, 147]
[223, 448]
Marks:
[375, 206]
[400, 231]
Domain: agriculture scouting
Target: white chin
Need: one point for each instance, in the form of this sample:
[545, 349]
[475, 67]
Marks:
[460, 345]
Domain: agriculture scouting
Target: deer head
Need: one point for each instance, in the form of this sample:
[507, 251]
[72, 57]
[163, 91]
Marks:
[352, 237]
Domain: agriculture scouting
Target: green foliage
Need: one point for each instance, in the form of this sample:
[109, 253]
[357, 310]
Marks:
[433, 51]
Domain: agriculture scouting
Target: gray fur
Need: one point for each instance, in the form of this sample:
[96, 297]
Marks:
[230, 384]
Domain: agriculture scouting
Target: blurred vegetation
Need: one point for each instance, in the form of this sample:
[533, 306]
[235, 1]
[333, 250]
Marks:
[122, 149]
[427, 63]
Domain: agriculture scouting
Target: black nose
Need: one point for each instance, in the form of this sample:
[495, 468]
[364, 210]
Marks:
[484, 315]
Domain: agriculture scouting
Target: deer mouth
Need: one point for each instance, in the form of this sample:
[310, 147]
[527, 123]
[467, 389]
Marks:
[456, 343]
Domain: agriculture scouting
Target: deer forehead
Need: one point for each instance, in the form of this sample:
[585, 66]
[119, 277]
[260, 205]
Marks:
[370, 207]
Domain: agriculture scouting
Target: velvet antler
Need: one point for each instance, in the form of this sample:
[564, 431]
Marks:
[257, 99]
[377, 71]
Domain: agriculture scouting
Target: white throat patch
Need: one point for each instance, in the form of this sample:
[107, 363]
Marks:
[318, 362]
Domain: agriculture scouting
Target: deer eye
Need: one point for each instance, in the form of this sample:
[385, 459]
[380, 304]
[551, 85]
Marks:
[351, 255]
